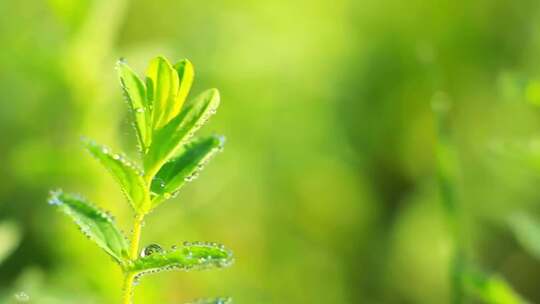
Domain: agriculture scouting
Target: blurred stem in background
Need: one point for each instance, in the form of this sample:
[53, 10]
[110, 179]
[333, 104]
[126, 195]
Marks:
[447, 165]
[88, 55]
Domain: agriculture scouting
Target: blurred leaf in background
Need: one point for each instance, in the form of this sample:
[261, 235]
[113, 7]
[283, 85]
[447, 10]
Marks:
[10, 236]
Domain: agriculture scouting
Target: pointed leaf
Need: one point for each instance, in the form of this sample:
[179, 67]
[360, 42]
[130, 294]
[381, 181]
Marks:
[527, 231]
[162, 82]
[490, 288]
[135, 93]
[190, 161]
[187, 257]
[221, 300]
[94, 223]
[185, 72]
[178, 131]
[128, 176]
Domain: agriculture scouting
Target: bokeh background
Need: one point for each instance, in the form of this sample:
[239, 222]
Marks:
[327, 188]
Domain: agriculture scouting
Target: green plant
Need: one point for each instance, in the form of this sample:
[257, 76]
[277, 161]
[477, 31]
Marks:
[164, 126]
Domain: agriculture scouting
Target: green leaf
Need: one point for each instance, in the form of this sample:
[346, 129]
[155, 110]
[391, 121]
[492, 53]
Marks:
[135, 93]
[186, 166]
[491, 289]
[178, 131]
[527, 231]
[221, 300]
[94, 223]
[10, 237]
[162, 83]
[128, 176]
[190, 256]
[185, 72]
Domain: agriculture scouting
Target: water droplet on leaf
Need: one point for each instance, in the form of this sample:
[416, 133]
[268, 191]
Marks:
[151, 249]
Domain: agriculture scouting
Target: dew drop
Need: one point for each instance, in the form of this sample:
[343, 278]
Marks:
[151, 249]
[167, 195]
[116, 156]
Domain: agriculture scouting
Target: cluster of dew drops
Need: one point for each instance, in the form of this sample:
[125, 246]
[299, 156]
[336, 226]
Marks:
[221, 300]
[121, 158]
[200, 264]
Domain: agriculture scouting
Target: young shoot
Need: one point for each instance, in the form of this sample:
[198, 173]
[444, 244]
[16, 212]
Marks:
[165, 125]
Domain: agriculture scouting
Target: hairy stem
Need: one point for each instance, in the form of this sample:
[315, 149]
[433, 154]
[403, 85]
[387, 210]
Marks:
[136, 236]
[129, 277]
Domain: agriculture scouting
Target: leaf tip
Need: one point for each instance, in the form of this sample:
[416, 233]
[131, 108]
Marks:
[54, 197]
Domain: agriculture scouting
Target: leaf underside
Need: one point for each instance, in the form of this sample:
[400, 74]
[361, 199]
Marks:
[193, 256]
[94, 223]
[191, 159]
[167, 140]
[128, 176]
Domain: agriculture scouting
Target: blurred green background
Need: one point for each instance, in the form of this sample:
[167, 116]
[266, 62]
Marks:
[327, 186]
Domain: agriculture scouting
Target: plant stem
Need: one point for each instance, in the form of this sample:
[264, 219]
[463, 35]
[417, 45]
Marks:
[136, 236]
[446, 176]
[127, 295]
[129, 277]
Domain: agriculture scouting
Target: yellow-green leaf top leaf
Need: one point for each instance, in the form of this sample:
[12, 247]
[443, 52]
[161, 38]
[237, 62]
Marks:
[97, 225]
[190, 256]
[185, 72]
[135, 93]
[162, 82]
[178, 131]
[125, 172]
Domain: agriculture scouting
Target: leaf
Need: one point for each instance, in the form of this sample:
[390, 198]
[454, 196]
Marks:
[10, 237]
[135, 93]
[178, 131]
[190, 256]
[190, 161]
[128, 176]
[162, 83]
[527, 231]
[221, 300]
[185, 72]
[94, 223]
[490, 288]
